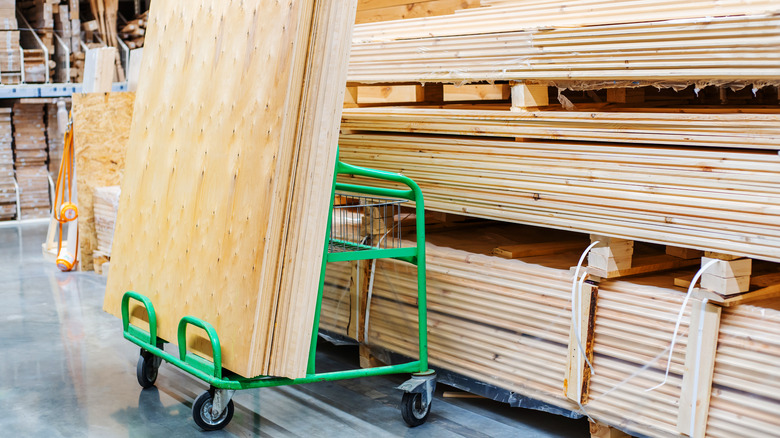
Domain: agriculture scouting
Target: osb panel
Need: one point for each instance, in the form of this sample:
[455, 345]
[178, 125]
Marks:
[101, 128]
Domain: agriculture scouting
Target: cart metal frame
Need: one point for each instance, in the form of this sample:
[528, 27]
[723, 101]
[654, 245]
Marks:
[213, 409]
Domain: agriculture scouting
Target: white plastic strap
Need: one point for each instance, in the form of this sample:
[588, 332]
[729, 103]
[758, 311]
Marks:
[679, 320]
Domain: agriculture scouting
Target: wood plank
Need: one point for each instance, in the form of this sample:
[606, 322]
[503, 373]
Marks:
[235, 188]
[538, 249]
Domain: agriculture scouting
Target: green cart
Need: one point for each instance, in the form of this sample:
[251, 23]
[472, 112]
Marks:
[352, 238]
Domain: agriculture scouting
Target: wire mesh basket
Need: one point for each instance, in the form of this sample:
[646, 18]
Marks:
[363, 222]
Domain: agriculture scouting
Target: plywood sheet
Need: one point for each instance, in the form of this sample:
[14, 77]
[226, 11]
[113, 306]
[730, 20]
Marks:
[101, 130]
[225, 199]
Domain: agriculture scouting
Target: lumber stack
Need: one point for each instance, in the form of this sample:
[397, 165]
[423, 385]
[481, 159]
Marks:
[7, 186]
[55, 140]
[10, 57]
[746, 381]
[106, 204]
[40, 15]
[740, 48]
[714, 199]
[507, 323]
[133, 32]
[250, 158]
[31, 157]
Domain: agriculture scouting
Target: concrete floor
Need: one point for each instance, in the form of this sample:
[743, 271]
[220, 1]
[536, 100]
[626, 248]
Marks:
[67, 372]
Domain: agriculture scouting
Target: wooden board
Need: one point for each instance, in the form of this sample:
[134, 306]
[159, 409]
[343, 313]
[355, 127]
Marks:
[225, 199]
[101, 129]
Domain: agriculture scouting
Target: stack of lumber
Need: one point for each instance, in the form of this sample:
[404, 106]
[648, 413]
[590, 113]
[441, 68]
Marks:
[370, 11]
[101, 131]
[250, 158]
[507, 323]
[746, 383]
[35, 65]
[40, 15]
[552, 184]
[7, 187]
[10, 57]
[64, 30]
[31, 158]
[616, 41]
[106, 14]
[634, 323]
[106, 204]
[133, 32]
[55, 140]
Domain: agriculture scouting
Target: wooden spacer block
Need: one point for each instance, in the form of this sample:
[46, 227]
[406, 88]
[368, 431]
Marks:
[683, 253]
[599, 430]
[625, 95]
[720, 256]
[351, 97]
[725, 286]
[455, 93]
[728, 268]
[528, 96]
[609, 264]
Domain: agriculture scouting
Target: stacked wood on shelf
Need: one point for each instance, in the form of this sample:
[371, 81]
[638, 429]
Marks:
[134, 31]
[63, 28]
[7, 186]
[507, 323]
[37, 61]
[30, 151]
[265, 208]
[55, 139]
[483, 136]
[623, 184]
[509, 43]
[10, 57]
[106, 204]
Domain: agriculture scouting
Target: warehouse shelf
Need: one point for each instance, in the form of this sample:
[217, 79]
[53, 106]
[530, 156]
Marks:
[47, 90]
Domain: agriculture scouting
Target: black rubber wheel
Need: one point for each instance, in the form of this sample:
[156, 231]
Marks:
[146, 370]
[411, 409]
[201, 413]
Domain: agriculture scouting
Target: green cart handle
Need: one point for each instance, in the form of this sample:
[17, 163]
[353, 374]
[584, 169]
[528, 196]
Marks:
[213, 368]
[151, 337]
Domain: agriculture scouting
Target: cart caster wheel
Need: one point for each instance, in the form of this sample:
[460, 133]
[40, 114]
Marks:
[146, 370]
[412, 410]
[201, 413]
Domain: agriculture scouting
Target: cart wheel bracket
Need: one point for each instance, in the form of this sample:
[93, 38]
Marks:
[423, 384]
[221, 399]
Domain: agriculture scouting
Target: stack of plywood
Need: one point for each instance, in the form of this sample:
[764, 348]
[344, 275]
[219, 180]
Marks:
[10, 56]
[106, 204]
[7, 186]
[31, 158]
[235, 191]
